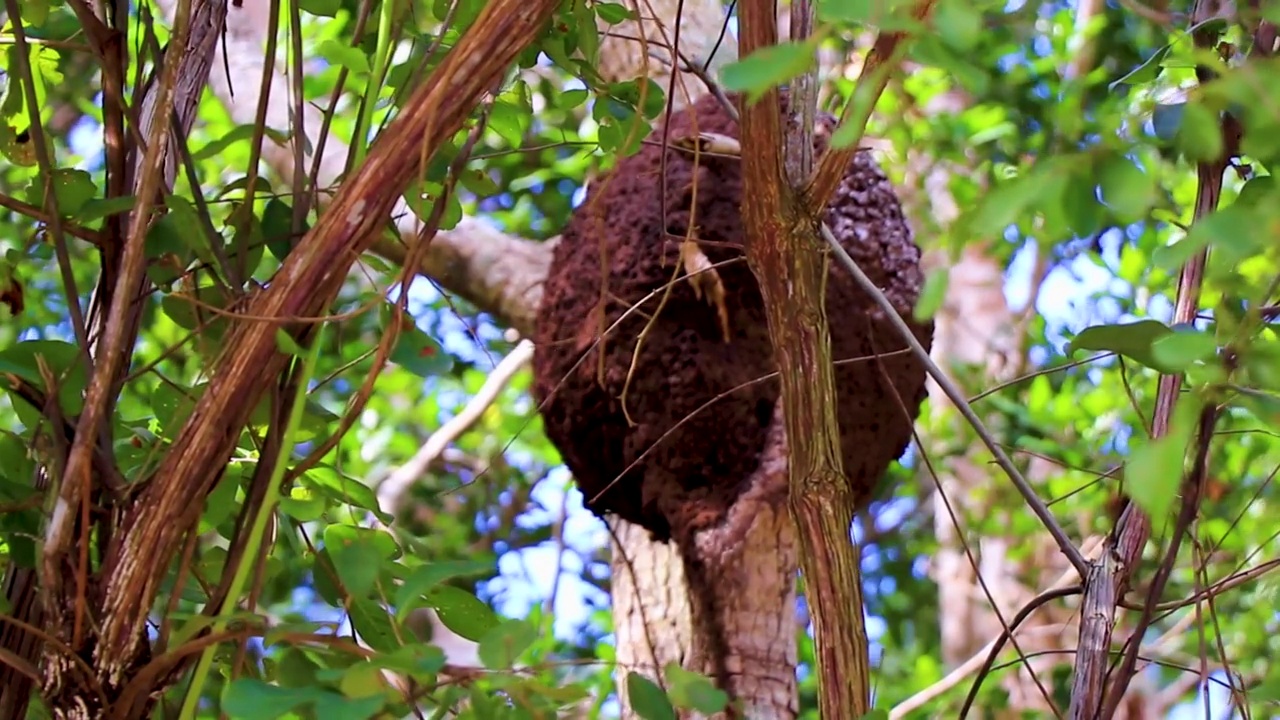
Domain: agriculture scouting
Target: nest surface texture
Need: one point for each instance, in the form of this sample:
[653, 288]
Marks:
[666, 436]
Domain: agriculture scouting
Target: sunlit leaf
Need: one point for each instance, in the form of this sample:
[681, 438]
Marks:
[647, 699]
[72, 190]
[357, 555]
[427, 577]
[462, 612]
[694, 691]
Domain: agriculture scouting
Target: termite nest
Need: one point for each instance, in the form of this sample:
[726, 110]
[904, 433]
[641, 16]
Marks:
[660, 419]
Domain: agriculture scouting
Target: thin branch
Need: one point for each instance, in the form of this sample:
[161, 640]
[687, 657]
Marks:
[392, 490]
[884, 56]
[1192, 490]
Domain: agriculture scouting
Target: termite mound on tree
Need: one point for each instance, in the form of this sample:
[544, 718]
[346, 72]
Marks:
[666, 436]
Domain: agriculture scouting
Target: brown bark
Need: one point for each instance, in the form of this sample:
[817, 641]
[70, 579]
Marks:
[176, 94]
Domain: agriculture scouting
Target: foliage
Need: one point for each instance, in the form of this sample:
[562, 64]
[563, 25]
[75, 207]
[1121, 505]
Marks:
[1083, 185]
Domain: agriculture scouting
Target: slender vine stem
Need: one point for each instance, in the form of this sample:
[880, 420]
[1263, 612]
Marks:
[258, 531]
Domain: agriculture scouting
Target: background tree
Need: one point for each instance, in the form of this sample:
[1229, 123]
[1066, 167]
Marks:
[1067, 137]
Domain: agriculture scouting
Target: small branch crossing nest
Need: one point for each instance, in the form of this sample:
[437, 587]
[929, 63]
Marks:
[667, 433]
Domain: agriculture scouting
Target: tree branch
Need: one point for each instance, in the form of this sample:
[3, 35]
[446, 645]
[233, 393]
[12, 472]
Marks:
[876, 70]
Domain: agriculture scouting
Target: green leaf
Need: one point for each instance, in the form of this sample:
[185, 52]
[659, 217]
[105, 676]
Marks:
[1166, 118]
[1153, 474]
[1181, 349]
[302, 504]
[510, 120]
[571, 99]
[1199, 135]
[62, 359]
[885, 15]
[768, 67]
[338, 486]
[219, 145]
[1228, 225]
[477, 182]
[374, 625]
[424, 579]
[222, 500]
[361, 680]
[613, 13]
[197, 311]
[1080, 207]
[1004, 205]
[72, 189]
[277, 227]
[169, 252]
[1145, 72]
[694, 691]
[502, 646]
[421, 661]
[336, 707]
[250, 699]
[1262, 363]
[287, 345]
[358, 554]
[16, 466]
[99, 208]
[462, 612]
[1260, 191]
[628, 96]
[1126, 189]
[933, 293]
[959, 23]
[416, 351]
[295, 669]
[324, 8]
[1264, 406]
[343, 54]
[647, 699]
[35, 13]
[1133, 340]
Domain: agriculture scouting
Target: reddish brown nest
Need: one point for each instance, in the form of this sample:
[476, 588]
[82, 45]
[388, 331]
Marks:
[696, 407]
